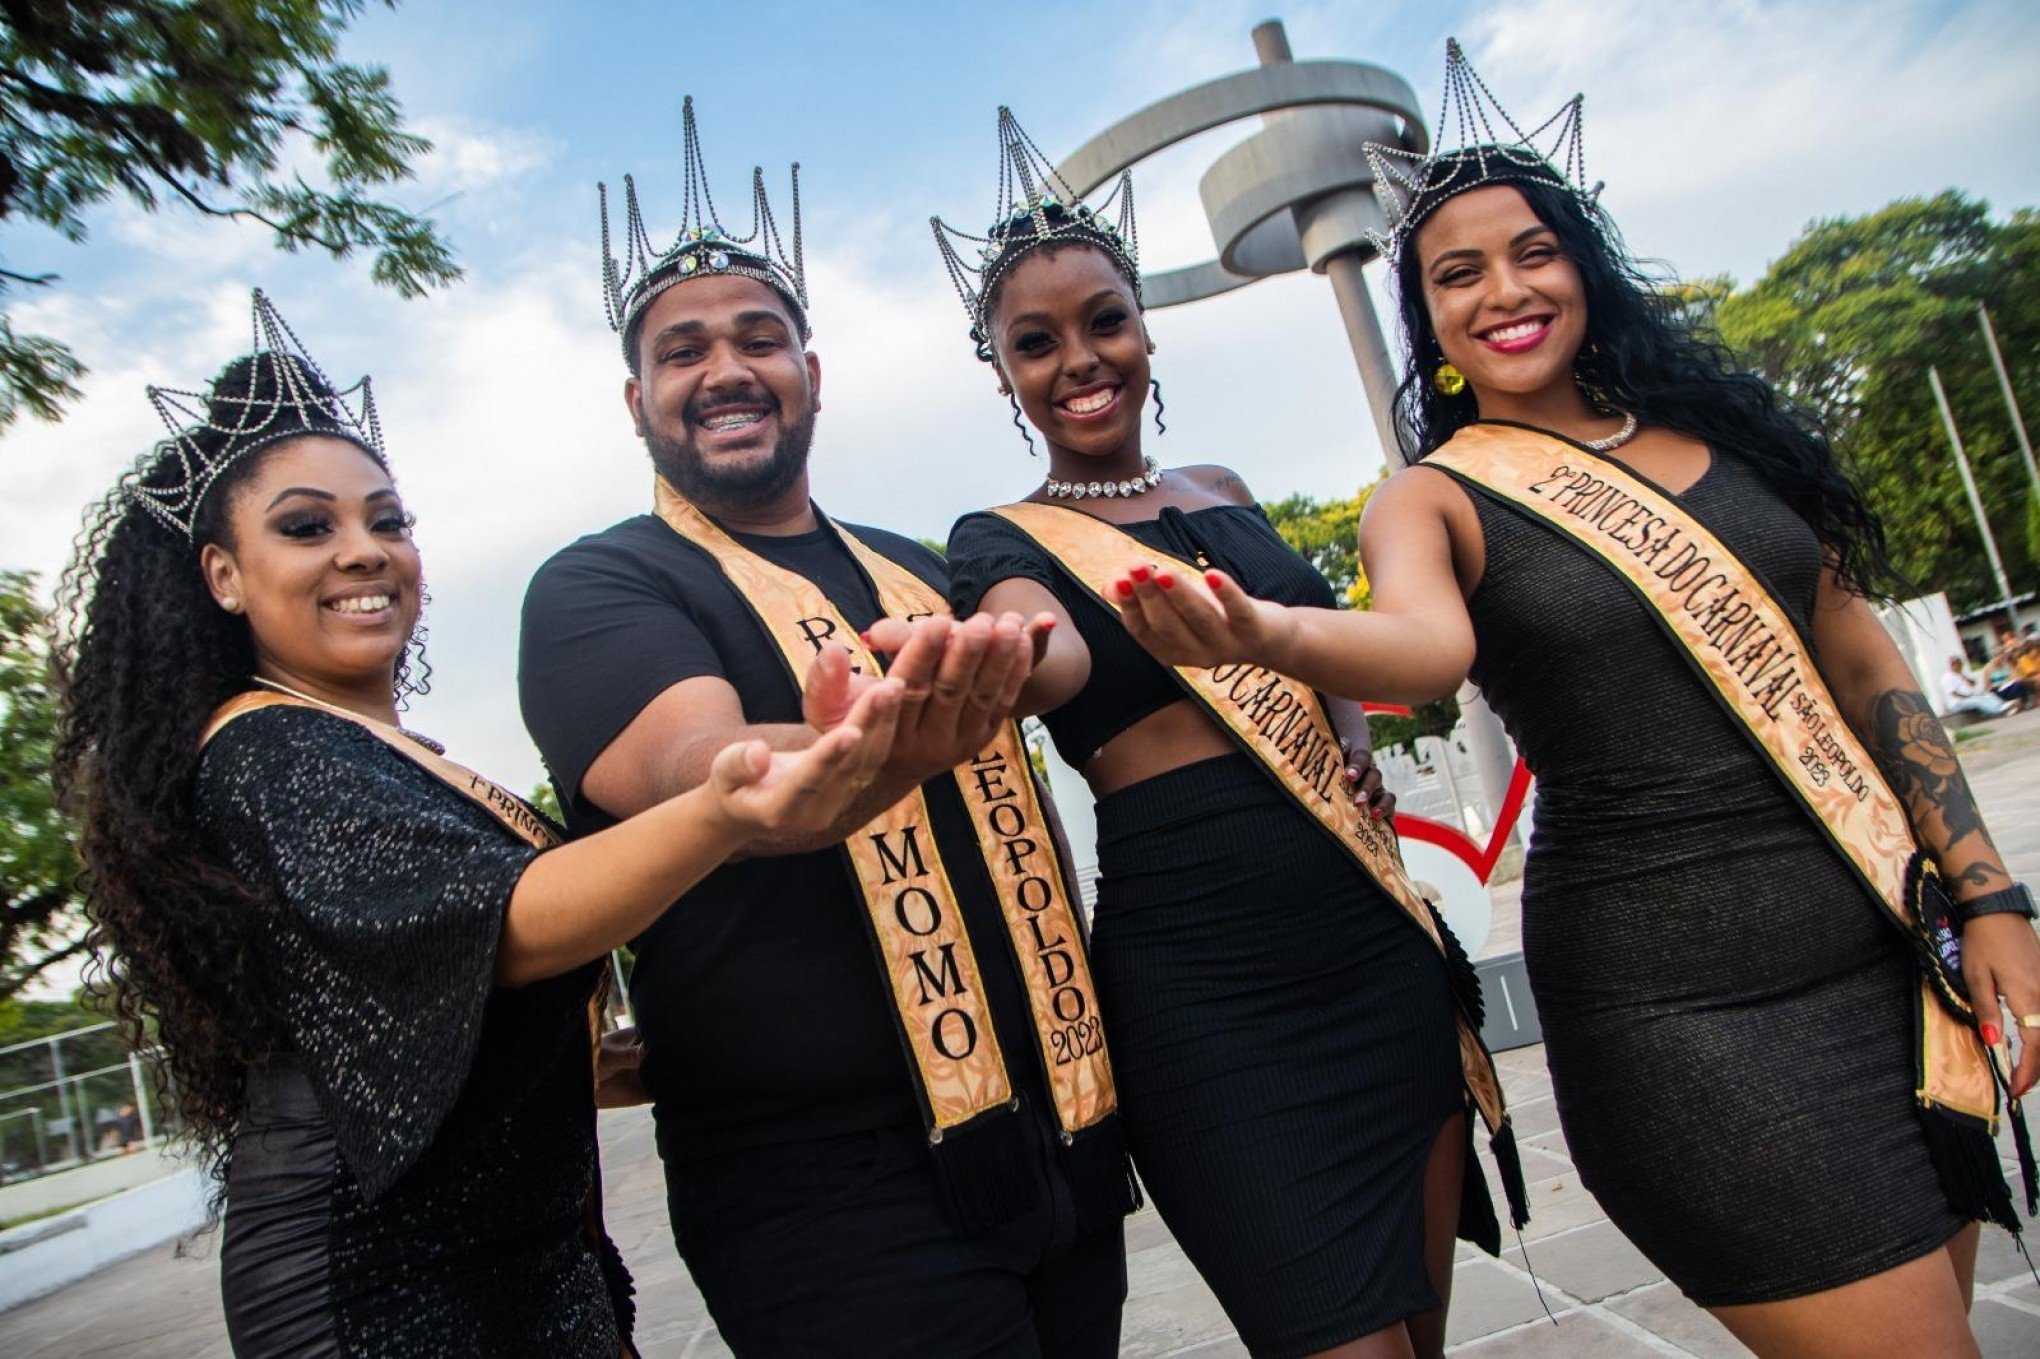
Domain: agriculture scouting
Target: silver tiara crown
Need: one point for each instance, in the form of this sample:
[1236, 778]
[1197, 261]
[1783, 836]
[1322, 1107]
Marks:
[275, 392]
[705, 245]
[1035, 207]
[1410, 186]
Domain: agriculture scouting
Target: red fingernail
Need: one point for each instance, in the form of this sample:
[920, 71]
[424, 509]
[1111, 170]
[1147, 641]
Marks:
[1139, 573]
[1048, 625]
[1352, 776]
[1378, 813]
[1991, 1035]
[1211, 579]
[1166, 582]
[1125, 590]
[864, 637]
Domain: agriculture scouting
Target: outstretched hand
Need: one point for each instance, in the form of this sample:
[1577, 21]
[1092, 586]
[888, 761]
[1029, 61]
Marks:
[2001, 964]
[960, 681]
[1199, 620]
[803, 792]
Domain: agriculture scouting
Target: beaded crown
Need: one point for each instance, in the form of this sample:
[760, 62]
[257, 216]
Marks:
[273, 393]
[632, 277]
[1035, 208]
[1411, 186]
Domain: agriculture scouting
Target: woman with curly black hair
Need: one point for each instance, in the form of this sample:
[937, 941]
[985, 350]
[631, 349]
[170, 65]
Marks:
[369, 969]
[1770, 1035]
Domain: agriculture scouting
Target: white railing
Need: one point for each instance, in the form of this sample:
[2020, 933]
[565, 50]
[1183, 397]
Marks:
[71, 1098]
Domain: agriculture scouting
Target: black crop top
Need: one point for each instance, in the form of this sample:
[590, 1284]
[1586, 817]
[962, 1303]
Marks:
[1126, 683]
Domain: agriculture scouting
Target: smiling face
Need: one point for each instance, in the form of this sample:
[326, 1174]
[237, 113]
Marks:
[317, 553]
[724, 396]
[1067, 337]
[1507, 305]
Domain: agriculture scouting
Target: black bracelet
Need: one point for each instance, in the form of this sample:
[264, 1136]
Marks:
[2014, 900]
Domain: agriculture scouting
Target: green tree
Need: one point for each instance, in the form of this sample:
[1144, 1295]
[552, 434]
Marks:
[1327, 533]
[230, 108]
[40, 922]
[1850, 319]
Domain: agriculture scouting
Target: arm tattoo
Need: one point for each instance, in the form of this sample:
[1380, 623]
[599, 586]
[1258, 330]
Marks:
[1917, 757]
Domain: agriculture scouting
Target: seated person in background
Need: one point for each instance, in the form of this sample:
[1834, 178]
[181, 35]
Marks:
[1964, 693]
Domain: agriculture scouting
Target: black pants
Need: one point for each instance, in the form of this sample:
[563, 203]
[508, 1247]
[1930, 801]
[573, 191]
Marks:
[839, 1247]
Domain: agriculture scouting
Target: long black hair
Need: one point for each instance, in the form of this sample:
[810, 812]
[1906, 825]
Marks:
[144, 658]
[1641, 355]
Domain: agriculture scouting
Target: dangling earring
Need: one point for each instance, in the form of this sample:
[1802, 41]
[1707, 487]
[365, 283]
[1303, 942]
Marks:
[1155, 386]
[1448, 380]
[1020, 424]
[1583, 366]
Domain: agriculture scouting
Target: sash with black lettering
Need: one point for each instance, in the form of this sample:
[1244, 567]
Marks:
[917, 923]
[518, 816]
[1748, 651]
[1284, 727]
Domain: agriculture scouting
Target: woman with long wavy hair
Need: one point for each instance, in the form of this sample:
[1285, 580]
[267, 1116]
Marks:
[1765, 1058]
[369, 969]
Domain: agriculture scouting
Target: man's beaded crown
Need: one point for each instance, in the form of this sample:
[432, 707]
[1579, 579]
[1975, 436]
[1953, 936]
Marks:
[1035, 208]
[1412, 186]
[638, 273]
[273, 393]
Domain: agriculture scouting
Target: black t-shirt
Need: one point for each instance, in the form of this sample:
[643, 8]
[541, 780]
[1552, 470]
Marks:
[764, 1009]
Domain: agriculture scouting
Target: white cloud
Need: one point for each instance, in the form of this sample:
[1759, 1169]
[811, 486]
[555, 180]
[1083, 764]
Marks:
[468, 157]
[1720, 129]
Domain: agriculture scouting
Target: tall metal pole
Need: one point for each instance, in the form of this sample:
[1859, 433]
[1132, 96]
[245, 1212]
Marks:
[1997, 361]
[1349, 286]
[1997, 564]
[1486, 742]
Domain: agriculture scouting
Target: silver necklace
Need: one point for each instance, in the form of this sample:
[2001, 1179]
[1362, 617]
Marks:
[1149, 478]
[1618, 438]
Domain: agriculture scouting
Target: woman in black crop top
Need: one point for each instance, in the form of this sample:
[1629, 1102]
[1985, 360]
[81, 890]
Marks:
[1729, 1015]
[1282, 1035]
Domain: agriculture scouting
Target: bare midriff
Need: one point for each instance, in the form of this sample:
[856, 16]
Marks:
[1167, 739]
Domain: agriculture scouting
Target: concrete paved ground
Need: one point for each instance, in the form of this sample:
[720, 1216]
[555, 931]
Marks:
[1608, 1300]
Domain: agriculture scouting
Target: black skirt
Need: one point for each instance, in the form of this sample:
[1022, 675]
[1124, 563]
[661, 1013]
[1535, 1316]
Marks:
[1283, 1041]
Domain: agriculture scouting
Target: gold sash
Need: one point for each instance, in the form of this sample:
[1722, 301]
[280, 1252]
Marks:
[931, 967]
[513, 811]
[1280, 723]
[1749, 651]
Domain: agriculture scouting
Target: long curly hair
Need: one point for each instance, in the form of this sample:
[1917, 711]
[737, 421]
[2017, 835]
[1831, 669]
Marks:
[143, 658]
[1642, 354]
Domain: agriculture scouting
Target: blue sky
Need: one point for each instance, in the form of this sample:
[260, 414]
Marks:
[1720, 130]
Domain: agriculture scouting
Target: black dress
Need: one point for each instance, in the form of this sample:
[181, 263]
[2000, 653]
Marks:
[1726, 1010]
[1282, 1034]
[411, 1175]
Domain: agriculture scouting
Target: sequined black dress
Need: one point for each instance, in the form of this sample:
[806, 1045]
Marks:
[1726, 1012]
[411, 1177]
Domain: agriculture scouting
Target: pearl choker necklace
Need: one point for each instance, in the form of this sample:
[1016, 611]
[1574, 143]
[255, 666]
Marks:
[1149, 478]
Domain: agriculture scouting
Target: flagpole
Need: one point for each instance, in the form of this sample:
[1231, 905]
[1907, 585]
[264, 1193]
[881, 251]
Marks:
[1997, 564]
[1997, 361]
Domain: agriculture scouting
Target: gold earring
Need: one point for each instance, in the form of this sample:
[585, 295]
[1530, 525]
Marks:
[1448, 380]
